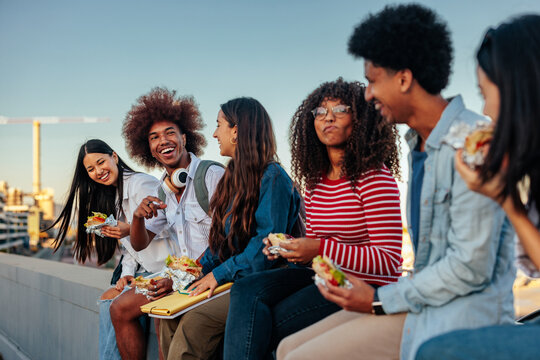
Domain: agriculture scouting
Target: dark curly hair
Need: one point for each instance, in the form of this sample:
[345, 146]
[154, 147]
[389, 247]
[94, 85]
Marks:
[161, 104]
[373, 141]
[407, 37]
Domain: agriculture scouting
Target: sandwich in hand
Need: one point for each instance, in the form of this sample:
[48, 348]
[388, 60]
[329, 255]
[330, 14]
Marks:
[143, 283]
[476, 140]
[96, 219]
[326, 270]
[276, 239]
[184, 263]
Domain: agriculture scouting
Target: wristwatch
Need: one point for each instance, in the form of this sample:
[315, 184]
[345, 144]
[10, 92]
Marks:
[376, 305]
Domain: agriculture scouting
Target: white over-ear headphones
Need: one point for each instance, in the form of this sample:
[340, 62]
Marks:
[178, 179]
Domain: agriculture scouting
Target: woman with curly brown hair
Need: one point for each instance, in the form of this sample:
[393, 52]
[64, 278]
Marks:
[255, 197]
[344, 156]
[163, 130]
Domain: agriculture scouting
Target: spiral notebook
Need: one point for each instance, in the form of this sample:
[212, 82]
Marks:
[176, 304]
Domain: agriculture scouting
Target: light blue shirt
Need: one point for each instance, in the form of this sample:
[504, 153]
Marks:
[464, 268]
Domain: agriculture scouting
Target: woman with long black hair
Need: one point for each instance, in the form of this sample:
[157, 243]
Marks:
[254, 197]
[509, 79]
[104, 183]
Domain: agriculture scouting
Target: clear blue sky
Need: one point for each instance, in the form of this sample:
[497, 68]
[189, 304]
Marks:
[94, 58]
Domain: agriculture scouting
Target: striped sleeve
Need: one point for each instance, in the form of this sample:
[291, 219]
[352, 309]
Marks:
[367, 241]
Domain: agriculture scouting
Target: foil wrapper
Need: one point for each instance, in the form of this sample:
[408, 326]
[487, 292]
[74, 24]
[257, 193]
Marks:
[144, 291]
[181, 279]
[320, 281]
[276, 249]
[456, 139]
[96, 229]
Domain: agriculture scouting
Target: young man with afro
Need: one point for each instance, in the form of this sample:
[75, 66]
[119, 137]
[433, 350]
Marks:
[163, 130]
[463, 271]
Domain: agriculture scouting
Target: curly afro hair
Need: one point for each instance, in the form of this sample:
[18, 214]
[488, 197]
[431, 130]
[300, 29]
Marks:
[373, 141]
[161, 104]
[407, 37]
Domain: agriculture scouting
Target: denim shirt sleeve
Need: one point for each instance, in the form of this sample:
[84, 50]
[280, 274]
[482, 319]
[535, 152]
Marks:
[468, 258]
[277, 211]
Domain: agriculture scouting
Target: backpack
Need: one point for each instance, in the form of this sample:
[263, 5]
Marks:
[201, 191]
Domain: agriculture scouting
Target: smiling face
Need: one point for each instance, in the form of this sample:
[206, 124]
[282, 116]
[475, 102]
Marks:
[225, 135]
[102, 168]
[384, 89]
[490, 93]
[333, 130]
[167, 145]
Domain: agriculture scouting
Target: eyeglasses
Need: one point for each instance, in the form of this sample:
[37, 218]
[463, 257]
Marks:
[339, 111]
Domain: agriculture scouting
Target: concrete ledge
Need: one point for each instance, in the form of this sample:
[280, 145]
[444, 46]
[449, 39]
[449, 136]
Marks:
[49, 309]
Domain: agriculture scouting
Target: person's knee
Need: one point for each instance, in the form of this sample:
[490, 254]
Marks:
[109, 294]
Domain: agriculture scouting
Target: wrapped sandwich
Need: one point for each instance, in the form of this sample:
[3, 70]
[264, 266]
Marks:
[276, 239]
[182, 271]
[325, 269]
[142, 285]
[472, 139]
[98, 220]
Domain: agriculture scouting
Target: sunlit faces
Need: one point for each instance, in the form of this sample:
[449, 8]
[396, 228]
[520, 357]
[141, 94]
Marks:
[167, 144]
[225, 135]
[102, 168]
[490, 93]
[385, 90]
[333, 129]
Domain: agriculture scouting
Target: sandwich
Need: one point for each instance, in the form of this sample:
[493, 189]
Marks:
[278, 238]
[327, 270]
[143, 283]
[477, 139]
[184, 263]
[96, 219]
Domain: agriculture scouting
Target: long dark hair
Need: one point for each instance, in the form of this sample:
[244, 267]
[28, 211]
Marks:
[373, 141]
[87, 195]
[237, 194]
[510, 57]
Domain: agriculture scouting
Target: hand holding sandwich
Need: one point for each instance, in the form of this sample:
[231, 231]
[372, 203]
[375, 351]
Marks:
[159, 288]
[300, 250]
[117, 232]
[358, 298]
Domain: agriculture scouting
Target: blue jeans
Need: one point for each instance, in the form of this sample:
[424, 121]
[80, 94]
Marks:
[493, 342]
[267, 306]
[107, 337]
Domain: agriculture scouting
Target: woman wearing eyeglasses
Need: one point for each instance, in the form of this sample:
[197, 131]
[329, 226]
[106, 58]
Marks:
[344, 156]
[509, 80]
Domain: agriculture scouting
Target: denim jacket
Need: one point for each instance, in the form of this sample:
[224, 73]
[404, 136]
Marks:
[464, 259]
[277, 212]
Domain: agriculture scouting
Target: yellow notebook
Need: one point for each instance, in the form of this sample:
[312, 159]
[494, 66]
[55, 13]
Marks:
[176, 304]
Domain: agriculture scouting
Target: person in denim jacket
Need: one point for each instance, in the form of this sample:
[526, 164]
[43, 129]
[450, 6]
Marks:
[511, 100]
[254, 197]
[462, 241]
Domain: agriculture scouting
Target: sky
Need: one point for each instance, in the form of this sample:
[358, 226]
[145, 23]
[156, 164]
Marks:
[95, 58]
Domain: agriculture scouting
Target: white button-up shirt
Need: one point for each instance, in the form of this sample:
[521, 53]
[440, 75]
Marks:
[188, 224]
[136, 187]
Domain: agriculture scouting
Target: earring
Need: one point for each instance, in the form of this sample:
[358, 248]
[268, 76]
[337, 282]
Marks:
[233, 141]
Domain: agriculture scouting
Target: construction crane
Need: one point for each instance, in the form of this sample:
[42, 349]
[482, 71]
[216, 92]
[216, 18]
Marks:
[43, 199]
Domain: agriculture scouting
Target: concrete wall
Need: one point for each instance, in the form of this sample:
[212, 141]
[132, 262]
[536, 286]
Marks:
[48, 309]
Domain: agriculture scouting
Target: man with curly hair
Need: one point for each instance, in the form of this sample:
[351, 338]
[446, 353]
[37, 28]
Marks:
[163, 130]
[462, 241]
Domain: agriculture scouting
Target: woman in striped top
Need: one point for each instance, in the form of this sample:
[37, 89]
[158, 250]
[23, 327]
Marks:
[344, 156]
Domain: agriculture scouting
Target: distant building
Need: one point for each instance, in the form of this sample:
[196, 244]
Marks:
[13, 219]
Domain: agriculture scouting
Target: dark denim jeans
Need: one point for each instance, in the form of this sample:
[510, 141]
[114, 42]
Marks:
[266, 307]
[494, 342]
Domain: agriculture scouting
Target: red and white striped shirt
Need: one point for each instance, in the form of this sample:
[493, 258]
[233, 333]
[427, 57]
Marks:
[360, 230]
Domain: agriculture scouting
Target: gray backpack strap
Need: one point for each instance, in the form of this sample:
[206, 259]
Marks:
[161, 194]
[201, 191]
